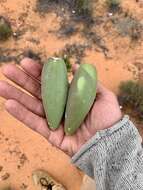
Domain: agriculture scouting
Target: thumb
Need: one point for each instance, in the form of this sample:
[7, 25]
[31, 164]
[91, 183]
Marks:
[103, 91]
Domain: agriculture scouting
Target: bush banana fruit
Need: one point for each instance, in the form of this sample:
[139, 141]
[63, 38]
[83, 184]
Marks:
[81, 96]
[54, 90]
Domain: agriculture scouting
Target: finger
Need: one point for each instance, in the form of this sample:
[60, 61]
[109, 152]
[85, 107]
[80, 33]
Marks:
[56, 137]
[75, 68]
[18, 76]
[30, 119]
[8, 91]
[32, 67]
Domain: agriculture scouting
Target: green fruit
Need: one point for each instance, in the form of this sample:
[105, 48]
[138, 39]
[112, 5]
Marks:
[81, 96]
[54, 90]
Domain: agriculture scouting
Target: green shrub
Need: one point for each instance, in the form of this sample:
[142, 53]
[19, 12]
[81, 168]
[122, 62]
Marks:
[129, 26]
[131, 96]
[67, 62]
[113, 5]
[73, 51]
[82, 7]
[5, 29]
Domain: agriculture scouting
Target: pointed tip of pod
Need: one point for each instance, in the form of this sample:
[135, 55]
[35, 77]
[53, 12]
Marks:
[55, 59]
[53, 127]
[69, 131]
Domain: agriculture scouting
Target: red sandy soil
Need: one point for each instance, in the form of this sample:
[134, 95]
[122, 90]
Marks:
[21, 149]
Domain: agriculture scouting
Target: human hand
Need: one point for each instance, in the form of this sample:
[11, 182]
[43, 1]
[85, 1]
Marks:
[29, 109]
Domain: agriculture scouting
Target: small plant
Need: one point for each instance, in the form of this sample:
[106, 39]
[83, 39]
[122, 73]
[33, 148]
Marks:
[129, 26]
[73, 51]
[67, 29]
[5, 29]
[31, 54]
[131, 97]
[67, 62]
[113, 5]
[82, 7]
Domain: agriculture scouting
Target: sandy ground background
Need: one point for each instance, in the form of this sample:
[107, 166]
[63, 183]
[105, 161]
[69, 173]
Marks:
[21, 149]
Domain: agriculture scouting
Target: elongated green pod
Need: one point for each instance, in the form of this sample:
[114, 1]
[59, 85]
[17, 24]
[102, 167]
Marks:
[81, 96]
[54, 90]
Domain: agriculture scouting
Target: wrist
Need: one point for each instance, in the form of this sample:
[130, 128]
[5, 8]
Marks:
[102, 126]
[118, 117]
[111, 120]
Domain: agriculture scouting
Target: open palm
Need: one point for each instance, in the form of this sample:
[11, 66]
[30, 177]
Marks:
[28, 108]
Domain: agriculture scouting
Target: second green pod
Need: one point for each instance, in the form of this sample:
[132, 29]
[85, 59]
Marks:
[81, 97]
